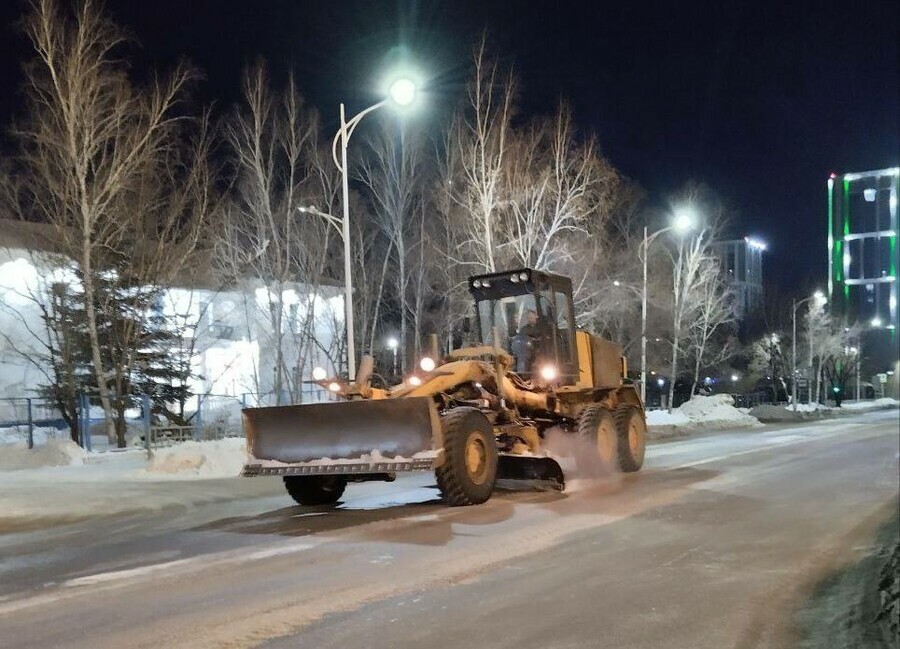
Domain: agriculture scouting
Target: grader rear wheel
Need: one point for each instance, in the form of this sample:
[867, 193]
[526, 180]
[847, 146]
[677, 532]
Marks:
[632, 429]
[597, 427]
[469, 469]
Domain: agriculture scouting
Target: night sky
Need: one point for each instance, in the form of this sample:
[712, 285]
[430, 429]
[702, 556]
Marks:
[760, 100]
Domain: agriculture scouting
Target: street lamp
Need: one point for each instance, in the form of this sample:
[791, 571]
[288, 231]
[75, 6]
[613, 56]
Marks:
[402, 92]
[683, 220]
[820, 298]
[393, 344]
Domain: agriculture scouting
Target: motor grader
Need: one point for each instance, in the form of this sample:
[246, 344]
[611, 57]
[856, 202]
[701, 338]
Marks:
[481, 413]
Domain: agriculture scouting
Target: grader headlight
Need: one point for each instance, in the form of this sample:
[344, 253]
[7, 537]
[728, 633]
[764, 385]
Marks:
[549, 372]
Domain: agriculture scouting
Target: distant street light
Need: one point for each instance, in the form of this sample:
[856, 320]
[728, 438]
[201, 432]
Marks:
[820, 298]
[756, 244]
[401, 92]
[393, 344]
[683, 220]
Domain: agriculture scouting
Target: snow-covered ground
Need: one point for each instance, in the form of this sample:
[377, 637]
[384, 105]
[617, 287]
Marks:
[877, 404]
[713, 412]
[57, 481]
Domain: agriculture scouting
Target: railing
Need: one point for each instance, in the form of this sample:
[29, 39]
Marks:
[34, 420]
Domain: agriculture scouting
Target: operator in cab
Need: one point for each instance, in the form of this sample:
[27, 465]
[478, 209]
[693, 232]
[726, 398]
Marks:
[526, 342]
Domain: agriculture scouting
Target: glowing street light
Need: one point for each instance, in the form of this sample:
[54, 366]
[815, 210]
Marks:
[401, 92]
[756, 244]
[684, 219]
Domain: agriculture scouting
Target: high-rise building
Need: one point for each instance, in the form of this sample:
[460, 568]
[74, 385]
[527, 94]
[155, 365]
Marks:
[742, 260]
[862, 246]
[862, 263]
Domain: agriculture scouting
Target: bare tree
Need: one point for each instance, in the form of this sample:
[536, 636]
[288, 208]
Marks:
[713, 313]
[554, 187]
[693, 255]
[393, 173]
[99, 155]
[267, 240]
[480, 135]
[818, 333]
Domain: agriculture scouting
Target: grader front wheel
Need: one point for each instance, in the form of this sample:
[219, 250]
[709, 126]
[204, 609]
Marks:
[469, 469]
[314, 490]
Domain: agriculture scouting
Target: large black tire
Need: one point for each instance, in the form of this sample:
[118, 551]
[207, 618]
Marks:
[599, 452]
[469, 468]
[315, 489]
[632, 429]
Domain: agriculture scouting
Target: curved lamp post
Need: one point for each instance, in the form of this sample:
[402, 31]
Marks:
[402, 92]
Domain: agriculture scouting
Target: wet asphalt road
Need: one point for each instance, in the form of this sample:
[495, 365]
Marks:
[714, 544]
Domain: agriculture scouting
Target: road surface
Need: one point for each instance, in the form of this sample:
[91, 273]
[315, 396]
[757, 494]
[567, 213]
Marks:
[716, 543]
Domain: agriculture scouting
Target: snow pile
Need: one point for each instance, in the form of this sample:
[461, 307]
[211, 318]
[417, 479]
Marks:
[53, 452]
[807, 407]
[666, 418]
[221, 458]
[718, 408]
[713, 412]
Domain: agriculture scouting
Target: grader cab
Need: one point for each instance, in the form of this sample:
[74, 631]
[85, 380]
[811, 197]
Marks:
[480, 413]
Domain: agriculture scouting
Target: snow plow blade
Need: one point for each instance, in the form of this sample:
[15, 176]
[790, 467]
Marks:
[543, 471]
[366, 436]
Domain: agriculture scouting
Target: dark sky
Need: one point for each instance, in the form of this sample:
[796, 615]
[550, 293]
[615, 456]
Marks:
[760, 100]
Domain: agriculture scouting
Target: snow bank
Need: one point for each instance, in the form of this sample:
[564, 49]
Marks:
[666, 418]
[221, 458]
[713, 412]
[877, 404]
[807, 407]
[52, 452]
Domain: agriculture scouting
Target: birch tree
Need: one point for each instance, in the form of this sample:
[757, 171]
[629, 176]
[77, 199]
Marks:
[714, 312]
[267, 240]
[480, 134]
[98, 153]
[394, 175]
[818, 330]
[554, 186]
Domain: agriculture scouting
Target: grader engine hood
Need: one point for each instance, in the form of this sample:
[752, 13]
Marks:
[355, 435]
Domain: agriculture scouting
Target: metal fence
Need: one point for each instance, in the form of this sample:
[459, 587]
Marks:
[34, 421]
[30, 420]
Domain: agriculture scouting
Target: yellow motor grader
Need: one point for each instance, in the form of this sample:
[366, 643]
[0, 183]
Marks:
[480, 414]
